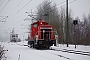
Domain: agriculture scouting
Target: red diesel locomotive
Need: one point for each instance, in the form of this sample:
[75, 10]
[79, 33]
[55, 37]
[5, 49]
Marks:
[41, 35]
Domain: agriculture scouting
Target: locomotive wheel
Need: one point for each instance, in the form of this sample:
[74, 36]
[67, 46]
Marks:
[37, 47]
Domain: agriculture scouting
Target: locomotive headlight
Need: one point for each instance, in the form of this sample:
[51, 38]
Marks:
[37, 36]
[41, 23]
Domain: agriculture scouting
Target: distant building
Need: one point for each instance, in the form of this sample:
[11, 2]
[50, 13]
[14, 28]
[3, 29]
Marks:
[13, 37]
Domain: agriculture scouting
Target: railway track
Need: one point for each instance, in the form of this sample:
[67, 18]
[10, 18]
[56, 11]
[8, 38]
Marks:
[57, 54]
[73, 51]
[68, 51]
[84, 53]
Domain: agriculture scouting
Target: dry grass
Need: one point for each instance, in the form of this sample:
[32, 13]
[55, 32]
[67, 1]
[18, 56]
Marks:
[2, 53]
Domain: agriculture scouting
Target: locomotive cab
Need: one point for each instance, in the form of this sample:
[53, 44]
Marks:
[41, 35]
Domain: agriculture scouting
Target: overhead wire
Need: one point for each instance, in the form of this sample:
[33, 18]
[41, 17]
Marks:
[17, 21]
[68, 3]
[42, 3]
[22, 8]
[16, 7]
[55, 5]
[59, 4]
[17, 24]
[62, 6]
[40, 7]
[51, 10]
[19, 10]
[4, 6]
[55, 8]
[13, 9]
[2, 2]
[14, 22]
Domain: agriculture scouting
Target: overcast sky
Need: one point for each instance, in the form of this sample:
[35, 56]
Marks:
[15, 10]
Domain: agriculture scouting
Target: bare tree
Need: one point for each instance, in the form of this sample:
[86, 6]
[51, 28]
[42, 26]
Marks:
[83, 30]
[49, 13]
[2, 53]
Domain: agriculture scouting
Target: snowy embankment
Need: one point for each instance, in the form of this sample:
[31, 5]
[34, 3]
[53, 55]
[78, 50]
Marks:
[20, 51]
[72, 47]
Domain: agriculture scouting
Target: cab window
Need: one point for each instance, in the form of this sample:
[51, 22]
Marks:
[35, 25]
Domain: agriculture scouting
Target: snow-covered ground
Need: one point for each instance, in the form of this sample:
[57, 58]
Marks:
[17, 51]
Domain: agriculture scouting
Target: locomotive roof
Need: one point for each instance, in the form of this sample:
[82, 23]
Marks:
[39, 22]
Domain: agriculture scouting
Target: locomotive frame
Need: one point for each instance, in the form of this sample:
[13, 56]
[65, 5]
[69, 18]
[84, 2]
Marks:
[41, 35]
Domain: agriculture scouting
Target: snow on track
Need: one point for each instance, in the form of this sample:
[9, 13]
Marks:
[73, 51]
[68, 55]
[19, 51]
